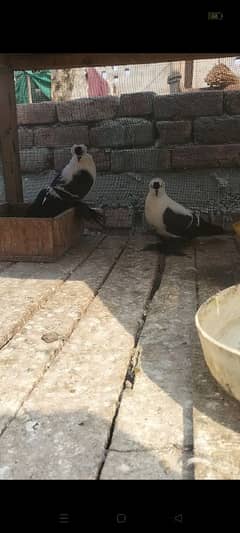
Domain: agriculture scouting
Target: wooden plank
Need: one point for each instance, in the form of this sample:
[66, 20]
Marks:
[29, 89]
[37, 239]
[216, 422]
[188, 76]
[62, 428]
[53, 61]
[9, 138]
[153, 430]
[3, 209]
[23, 237]
[66, 229]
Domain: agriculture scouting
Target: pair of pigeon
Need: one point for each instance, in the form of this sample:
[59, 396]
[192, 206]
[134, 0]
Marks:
[172, 222]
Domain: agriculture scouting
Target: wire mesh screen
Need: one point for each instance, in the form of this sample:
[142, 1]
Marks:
[2, 188]
[226, 70]
[134, 134]
[162, 78]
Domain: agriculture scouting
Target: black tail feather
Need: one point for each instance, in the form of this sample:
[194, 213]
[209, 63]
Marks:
[202, 228]
[89, 214]
[206, 229]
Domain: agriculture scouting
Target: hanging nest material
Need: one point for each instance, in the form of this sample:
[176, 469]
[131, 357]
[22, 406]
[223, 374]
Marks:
[222, 77]
[233, 87]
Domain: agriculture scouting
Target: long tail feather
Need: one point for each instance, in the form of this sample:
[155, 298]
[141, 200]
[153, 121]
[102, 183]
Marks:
[202, 228]
[210, 229]
[89, 214]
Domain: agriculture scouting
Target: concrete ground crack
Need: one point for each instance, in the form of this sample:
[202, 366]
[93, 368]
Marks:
[154, 288]
[133, 360]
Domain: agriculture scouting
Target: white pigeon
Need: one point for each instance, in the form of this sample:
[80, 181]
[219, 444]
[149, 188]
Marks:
[172, 220]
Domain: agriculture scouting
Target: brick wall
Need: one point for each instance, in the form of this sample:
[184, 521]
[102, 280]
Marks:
[140, 132]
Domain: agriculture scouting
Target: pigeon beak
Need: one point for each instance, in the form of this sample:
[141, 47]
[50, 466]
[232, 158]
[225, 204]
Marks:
[79, 157]
[156, 192]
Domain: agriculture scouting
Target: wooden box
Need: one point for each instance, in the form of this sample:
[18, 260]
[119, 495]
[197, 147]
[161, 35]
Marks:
[36, 239]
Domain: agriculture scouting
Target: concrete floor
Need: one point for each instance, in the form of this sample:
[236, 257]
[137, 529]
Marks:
[102, 374]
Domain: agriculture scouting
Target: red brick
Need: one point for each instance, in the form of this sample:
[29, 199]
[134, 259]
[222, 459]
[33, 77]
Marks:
[136, 104]
[217, 130]
[232, 102]
[35, 160]
[102, 159]
[118, 217]
[25, 138]
[187, 105]
[43, 113]
[174, 132]
[145, 159]
[88, 109]
[61, 135]
[123, 132]
[199, 156]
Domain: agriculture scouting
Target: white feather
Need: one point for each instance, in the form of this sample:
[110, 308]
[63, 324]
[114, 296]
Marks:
[85, 163]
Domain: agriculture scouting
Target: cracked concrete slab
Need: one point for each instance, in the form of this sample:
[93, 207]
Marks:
[24, 287]
[63, 426]
[122, 391]
[60, 314]
[155, 416]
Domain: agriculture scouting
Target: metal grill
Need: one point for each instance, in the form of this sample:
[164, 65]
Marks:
[208, 191]
[46, 134]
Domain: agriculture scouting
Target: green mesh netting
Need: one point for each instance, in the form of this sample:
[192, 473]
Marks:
[38, 80]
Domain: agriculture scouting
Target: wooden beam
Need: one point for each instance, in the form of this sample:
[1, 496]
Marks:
[53, 61]
[188, 78]
[29, 89]
[9, 138]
